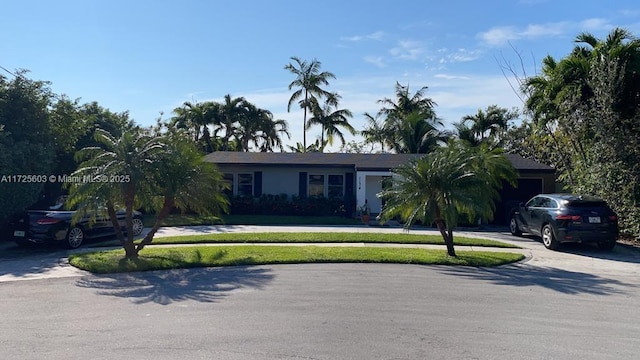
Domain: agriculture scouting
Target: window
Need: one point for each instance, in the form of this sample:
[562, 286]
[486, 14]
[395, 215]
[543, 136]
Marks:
[335, 188]
[316, 185]
[245, 185]
[228, 180]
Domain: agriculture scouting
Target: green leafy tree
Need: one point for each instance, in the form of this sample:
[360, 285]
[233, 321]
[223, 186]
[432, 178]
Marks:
[331, 120]
[374, 132]
[588, 104]
[449, 182]
[485, 127]
[410, 121]
[26, 143]
[309, 81]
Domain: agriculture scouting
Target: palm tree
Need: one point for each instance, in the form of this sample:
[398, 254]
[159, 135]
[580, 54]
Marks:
[485, 126]
[183, 180]
[196, 117]
[331, 120]
[308, 82]
[413, 133]
[229, 113]
[271, 134]
[411, 123]
[406, 104]
[132, 157]
[374, 132]
[443, 185]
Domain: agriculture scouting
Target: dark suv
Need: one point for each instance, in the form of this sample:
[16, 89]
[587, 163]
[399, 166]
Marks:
[563, 218]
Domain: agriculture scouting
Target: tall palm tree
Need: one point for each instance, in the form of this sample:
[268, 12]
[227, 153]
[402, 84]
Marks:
[406, 104]
[196, 117]
[413, 133]
[411, 123]
[230, 111]
[272, 131]
[374, 131]
[309, 81]
[131, 158]
[485, 126]
[331, 120]
[443, 185]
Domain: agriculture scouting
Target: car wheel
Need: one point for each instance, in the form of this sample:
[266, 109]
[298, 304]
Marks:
[75, 237]
[513, 226]
[138, 226]
[548, 239]
[606, 245]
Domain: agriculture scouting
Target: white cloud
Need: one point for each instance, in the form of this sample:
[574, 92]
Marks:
[459, 55]
[501, 35]
[450, 77]
[375, 60]
[408, 50]
[378, 36]
[595, 24]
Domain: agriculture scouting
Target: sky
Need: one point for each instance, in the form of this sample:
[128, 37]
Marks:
[149, 57]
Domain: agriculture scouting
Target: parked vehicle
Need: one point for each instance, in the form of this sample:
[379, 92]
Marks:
[565, 218]
[55, 226]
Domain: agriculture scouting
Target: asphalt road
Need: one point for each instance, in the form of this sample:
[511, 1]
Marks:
[580, 303]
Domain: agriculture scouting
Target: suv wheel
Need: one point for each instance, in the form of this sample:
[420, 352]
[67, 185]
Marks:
[513, 226]
[548, 239]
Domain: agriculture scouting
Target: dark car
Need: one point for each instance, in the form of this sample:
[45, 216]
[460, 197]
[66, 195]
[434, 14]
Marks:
[55, 226]
[565, 218]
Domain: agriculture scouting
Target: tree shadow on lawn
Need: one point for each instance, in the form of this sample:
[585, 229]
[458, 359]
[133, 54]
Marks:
[562, 281]
[168, 286]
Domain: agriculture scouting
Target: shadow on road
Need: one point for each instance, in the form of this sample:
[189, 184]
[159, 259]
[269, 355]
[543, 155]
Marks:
[166, 287]
[563, 281]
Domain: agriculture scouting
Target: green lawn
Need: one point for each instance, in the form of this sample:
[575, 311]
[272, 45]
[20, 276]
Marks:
[324, 237]
[206, 256]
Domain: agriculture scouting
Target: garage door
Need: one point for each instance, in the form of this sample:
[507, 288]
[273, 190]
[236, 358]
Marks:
[510, 197]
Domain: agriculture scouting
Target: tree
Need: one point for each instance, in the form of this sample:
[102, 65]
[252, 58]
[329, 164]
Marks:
[485, 127]
[410, 122]
[414, 134]
[374, 132]
[126, 163]
[230, 111]
[588, 103]
[196, 118]
[309, 81]
[331, 120]
[451, 181]
[184, 181]
[26, 141]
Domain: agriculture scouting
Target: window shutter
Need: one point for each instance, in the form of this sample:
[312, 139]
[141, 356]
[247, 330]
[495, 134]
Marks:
[302, 184]
[257, 183]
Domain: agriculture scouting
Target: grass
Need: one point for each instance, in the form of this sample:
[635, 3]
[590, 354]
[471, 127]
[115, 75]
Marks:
[324, 237]
[158, 258]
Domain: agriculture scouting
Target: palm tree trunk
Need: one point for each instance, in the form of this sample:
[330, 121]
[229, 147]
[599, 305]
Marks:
[166, 208]
[447, 237]
[114, 221]
[304, 121]
[129, 246]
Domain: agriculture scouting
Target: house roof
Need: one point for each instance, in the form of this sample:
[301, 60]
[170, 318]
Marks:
[361, 162]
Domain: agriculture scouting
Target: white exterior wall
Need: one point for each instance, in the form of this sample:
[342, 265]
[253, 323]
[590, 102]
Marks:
[368, 185]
